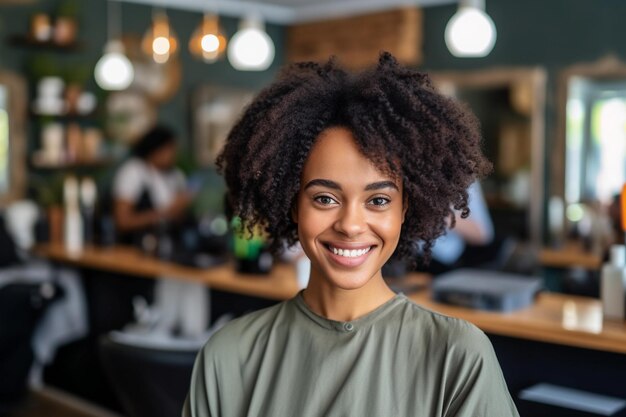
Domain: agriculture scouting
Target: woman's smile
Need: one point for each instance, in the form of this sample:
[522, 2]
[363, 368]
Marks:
[349, 255]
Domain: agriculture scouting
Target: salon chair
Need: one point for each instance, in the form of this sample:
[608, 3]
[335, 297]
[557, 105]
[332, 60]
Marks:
[148, 381]
[22, 306]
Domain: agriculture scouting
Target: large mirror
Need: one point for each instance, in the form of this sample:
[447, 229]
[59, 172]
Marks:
[592, 132]
[590, 163]
[12, 141]
[509, 104]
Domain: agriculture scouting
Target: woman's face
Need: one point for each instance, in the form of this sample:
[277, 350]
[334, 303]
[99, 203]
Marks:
[349, 214]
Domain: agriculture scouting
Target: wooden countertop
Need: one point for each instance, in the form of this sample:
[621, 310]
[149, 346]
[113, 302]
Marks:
[554, 318]
[280, 284]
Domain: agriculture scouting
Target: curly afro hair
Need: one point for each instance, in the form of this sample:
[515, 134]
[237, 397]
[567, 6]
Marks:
[400, 123]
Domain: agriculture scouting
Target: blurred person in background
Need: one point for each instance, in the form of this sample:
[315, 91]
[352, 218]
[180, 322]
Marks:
[148, 189]
[476, 230]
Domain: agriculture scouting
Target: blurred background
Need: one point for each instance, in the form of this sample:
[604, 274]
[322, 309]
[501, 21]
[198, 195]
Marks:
[118, 257]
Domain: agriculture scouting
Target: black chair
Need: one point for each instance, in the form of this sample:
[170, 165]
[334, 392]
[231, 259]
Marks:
[149, 382]
[21, 307]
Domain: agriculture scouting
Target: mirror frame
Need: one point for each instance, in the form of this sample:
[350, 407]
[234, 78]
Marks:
[608, 67]
[500, 77]
[17, 105]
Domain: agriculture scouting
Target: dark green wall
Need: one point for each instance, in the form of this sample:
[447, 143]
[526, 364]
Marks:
[136, 18]
[550, 33]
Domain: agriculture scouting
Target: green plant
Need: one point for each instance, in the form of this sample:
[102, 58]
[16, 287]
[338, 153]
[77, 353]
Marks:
[48, 190]
[77, 73]
[43, 65]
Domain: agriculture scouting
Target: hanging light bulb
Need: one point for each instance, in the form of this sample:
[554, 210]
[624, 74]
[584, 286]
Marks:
[207, 42]
[470, 32]
[113, 70]
[251, 49]
[160, 40]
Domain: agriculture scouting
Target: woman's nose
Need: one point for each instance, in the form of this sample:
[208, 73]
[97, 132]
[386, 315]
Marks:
[351, 221]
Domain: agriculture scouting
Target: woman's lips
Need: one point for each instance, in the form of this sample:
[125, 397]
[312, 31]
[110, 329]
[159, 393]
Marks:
[356, 254]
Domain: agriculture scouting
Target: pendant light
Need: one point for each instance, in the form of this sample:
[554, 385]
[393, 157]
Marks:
[113, 70]
[160, 40]
[470, 32]
[251, 49]
[207, 41]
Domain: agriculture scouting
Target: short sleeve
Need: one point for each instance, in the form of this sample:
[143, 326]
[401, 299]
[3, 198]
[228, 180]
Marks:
[129, 181]
[477, 386]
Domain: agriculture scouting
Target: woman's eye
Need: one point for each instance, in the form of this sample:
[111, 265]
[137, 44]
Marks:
[325, 200]
[380, 201]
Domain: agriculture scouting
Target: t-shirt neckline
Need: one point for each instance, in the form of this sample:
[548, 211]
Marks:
[348, 326]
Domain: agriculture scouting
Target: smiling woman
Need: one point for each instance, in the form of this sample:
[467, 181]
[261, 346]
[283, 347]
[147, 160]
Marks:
[357, 168]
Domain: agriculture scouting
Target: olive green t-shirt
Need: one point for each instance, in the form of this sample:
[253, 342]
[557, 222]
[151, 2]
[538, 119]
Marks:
[400, 360]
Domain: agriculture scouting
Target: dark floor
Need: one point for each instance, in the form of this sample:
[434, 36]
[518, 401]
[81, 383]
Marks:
[37, 405]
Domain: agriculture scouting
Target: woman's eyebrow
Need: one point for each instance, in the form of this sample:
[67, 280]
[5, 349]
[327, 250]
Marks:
[323, 183]
[335, 186]
[381, 185]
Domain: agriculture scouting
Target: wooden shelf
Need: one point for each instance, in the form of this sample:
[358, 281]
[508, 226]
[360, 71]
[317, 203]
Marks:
[73, 117]
[95, 163]
[26, 41]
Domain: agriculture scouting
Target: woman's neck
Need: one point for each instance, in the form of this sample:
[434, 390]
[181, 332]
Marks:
[334, 303]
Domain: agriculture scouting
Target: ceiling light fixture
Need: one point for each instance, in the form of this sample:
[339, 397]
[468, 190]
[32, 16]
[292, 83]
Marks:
[251, 48]
[208, 42]
[470, 32]
[113, 70]
[160, 40]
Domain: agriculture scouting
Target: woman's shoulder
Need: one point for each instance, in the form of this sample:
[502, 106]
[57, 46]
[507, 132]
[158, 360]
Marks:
[454, 333]
[243, 332]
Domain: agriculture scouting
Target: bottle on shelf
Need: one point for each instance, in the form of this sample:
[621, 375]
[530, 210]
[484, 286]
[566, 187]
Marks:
[73, 232]
[613, 284]
[88, 196]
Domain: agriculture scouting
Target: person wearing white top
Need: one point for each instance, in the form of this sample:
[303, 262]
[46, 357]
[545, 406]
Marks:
[148, 188]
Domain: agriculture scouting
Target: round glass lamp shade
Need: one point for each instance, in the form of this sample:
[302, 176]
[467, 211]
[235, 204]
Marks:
[114, 71]
[470, 33]
[160, 41]
[207, 42]
[251, 49]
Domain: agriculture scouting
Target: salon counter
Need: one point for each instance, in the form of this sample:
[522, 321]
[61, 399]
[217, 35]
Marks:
[554, 318]
[280, 284]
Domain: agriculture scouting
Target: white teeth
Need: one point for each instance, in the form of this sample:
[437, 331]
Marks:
[350, 253]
